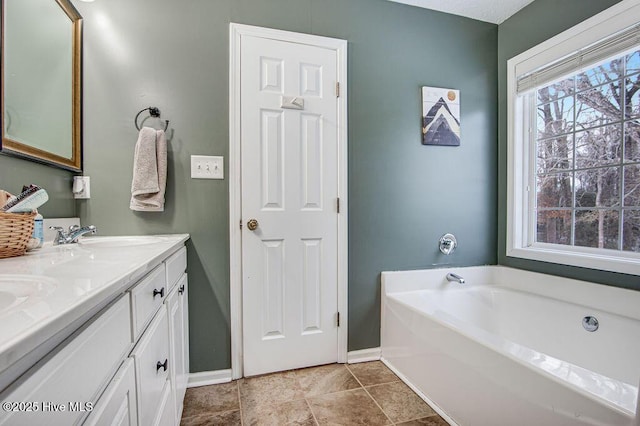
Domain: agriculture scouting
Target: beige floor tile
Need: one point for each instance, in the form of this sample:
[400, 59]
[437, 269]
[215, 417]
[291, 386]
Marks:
[225, 418]
[270, 389]
[325, 379]
[399, 402]
[211, 399]
[288, 413]
[353, 407]
[372, 373]
[426, 421]
[333, 397]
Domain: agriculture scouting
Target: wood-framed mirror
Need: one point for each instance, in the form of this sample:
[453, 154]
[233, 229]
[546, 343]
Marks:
[41, 77]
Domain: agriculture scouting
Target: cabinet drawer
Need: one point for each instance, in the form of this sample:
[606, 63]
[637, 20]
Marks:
[74, 373]
[152, 361]
[118, 404]
[176, 266]
[146, 297]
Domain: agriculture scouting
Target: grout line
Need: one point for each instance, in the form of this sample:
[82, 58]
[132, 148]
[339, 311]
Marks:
[367, 392]
[328, 393]
[312, 413]
[240, 402]
[372, 398]
[354, 376]
[376, 402]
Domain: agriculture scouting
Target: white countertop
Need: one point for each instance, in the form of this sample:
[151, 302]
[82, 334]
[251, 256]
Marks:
[46, 291]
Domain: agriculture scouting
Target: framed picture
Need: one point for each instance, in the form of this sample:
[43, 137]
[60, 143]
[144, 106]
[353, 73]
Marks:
[440, 116]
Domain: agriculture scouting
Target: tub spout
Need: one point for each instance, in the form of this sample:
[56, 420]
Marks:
[451, 277]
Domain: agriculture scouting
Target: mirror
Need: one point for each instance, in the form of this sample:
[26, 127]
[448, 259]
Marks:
[41, 81]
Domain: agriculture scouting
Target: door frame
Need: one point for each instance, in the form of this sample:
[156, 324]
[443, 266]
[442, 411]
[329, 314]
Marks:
[236, 32]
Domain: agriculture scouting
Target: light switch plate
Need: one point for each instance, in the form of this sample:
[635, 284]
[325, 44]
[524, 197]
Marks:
[207, 167]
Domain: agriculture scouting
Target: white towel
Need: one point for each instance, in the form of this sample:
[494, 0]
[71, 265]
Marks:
[149, 171]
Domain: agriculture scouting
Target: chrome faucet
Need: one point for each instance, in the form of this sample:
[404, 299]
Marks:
[72, 236]
[451, 277]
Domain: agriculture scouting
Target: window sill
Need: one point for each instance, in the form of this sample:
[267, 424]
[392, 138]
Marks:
[585, 257]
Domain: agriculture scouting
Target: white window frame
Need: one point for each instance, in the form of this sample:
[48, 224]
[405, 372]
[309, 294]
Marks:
[521, 146]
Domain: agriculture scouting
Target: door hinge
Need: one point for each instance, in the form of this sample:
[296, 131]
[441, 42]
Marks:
[337, 89]
[240, 223]
[338, 319]
[338, 205]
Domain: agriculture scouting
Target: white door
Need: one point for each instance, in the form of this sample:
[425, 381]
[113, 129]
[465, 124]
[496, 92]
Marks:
[289, 172]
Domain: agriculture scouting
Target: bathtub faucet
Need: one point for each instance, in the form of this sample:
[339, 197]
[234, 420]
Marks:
[451, 277]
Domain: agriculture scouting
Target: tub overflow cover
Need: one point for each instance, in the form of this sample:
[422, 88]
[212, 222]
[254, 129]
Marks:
[590, 323]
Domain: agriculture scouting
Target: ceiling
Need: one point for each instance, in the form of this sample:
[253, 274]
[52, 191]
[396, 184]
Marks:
[494, 11]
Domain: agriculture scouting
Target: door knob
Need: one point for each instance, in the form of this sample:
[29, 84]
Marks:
[252, 225]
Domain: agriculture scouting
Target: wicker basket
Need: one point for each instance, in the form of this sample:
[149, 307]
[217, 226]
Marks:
[15, 231]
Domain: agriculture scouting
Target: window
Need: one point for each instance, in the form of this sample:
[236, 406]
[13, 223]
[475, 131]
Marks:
[574, 142]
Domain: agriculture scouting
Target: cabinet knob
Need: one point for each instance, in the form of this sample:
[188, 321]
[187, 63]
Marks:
[181, 289]
[162, 365]
[158, 292]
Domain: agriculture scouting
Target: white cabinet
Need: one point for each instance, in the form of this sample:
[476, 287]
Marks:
[162, 354]
[118, 404]
[146, 297]
[128, 365]
[178, 310]
[167, 409]
[74, 373]
[176, 266]
[152, 362]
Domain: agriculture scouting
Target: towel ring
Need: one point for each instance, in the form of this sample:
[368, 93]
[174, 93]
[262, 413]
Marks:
[153, 112]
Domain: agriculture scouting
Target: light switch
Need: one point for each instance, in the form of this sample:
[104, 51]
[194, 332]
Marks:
[207, 167]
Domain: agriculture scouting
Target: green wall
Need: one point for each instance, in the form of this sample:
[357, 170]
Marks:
[402, 196]
[534, 24]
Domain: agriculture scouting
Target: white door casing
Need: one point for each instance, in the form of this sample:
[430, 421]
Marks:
[287, 168]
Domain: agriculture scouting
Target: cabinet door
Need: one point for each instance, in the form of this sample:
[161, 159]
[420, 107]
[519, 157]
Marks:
[63, 384]
[167, 409]
[118, 404]
[178, 328]
[183, 379]
[153, 363]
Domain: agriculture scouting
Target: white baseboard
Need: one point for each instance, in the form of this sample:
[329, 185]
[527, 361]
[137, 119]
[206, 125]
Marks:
[206, 378]
[363, 355]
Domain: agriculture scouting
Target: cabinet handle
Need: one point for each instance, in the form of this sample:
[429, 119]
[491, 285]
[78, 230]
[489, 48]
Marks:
[162, 365]
[181, 289]
[158, 292]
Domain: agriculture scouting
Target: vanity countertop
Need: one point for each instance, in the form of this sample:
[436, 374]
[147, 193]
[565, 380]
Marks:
[44, 293]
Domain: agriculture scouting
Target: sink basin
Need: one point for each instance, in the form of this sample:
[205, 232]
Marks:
[16, 290]
[114, 242]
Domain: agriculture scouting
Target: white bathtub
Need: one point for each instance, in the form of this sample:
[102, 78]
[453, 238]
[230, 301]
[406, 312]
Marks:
[508, 346]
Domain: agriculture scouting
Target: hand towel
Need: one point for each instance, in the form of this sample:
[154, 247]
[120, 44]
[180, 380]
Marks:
[149, 171]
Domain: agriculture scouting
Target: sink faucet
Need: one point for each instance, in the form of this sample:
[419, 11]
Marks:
[72, 236]
[451, 277]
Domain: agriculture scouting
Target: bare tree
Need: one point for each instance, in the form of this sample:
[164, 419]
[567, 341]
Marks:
[581, 135]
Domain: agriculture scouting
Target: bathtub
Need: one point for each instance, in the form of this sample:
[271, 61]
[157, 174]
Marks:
[508, 347]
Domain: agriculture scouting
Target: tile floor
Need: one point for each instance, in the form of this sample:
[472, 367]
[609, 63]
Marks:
[335, 394]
